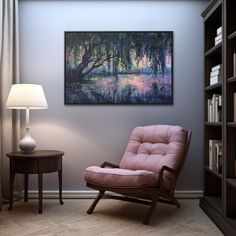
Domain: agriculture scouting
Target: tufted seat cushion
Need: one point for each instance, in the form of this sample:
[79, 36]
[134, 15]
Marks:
[151, 147]
[120, 178]
[148, 150]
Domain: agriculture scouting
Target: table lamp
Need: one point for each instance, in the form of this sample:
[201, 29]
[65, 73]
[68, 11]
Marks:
[26, 96]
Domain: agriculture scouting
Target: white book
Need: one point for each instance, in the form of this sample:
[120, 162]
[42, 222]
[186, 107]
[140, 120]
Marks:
[216, 72]
[234, 64]
[216, 103]
[212, 153]
[213, 108]
[218, 147]
[218, 41]
[217, 112]
[234, 107]
[209, 110]
[218, 37]
[217, 67]
[215, 79]
[220, 100]
[219, 30]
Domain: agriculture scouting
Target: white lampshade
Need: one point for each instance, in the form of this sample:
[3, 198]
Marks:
[24, 96]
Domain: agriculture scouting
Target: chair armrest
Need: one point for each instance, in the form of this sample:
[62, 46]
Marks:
[109, 164]
[166, 168]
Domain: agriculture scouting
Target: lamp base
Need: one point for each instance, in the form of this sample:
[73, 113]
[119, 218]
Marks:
[27, 144]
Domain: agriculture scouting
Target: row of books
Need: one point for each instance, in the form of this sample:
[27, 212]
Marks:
[214, 108]
[215, 155]
[218, 38]
[216, 74]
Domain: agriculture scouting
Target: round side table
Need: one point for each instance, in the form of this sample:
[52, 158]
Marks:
[37, 162]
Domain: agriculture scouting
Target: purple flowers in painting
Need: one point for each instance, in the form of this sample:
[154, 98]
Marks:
[118, 67]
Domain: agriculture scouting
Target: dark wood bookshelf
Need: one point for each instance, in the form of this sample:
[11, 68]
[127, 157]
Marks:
[231, 124]
[219, 192]
[213, 123]
[215, 201]
[214, 50]
[232, 182]
[213, 87]
[232, 79]
[216, 174]
[232, 36]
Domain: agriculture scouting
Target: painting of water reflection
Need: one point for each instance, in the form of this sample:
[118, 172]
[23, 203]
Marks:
[119, 67]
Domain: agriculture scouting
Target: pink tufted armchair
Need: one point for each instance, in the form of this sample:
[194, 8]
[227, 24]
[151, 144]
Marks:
[148, 170]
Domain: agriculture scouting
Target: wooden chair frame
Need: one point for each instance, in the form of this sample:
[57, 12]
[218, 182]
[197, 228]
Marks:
[144, 195]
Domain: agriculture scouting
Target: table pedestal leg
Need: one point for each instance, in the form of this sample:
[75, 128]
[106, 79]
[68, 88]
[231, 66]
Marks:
[60, 186]
[12, 178]
[26, 187]
[40, 187]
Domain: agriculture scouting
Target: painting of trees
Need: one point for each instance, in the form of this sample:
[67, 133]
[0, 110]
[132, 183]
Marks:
[118, 67]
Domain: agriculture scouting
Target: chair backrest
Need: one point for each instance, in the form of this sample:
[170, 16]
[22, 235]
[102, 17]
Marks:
[151, 147]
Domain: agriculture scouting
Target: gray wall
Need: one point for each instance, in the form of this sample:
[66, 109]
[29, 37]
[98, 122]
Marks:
[91, 134]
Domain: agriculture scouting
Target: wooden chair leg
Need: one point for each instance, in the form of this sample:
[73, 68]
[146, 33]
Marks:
[175, 201]
[150, 212]
[96, 200]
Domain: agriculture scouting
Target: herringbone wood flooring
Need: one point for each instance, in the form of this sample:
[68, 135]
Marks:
[111, 217]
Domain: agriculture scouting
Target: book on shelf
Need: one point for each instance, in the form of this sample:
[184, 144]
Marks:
[217, 67]
[219, 157]
[219, 30]
[216, 74]
[218, 37]
[215, 79]
[215, 155]
[214, 107]
[218, 41]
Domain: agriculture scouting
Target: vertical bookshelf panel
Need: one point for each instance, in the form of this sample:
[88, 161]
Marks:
[231, 152]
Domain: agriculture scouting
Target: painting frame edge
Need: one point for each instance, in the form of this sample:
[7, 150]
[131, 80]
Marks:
[124, 104]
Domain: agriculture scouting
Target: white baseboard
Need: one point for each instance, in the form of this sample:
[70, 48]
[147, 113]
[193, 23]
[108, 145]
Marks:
[82, 194]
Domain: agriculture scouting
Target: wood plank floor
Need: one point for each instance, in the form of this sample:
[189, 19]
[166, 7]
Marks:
[111, 217]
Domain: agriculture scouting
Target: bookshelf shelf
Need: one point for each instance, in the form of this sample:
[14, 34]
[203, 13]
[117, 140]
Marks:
[232, 182]
[231, 79]
[214, 50]
[231, 124]
[216, 174]
[213, 87]
[213, 124]
[232, 36]
[219, 194]
[215, 202]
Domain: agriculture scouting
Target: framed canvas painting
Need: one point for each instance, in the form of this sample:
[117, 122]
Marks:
[119, 67]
